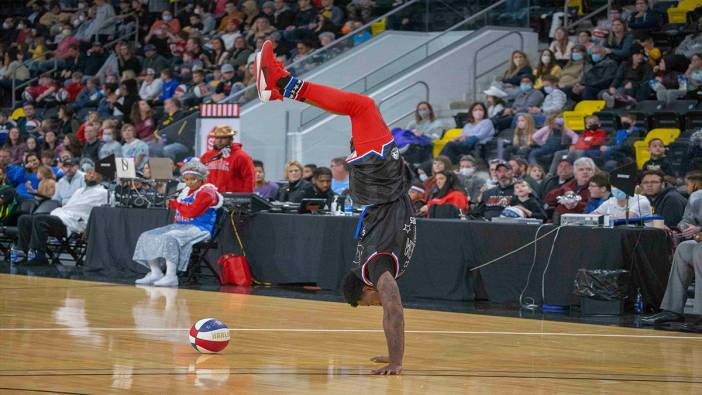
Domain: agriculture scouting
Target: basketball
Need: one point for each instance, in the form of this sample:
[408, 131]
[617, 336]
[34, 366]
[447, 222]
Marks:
[209, 336]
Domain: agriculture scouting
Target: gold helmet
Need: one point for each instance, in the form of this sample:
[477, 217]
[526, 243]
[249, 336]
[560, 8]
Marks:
[222, 131]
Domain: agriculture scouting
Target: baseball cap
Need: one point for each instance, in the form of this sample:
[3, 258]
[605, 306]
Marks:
[149, 47]
[71, 162]
[227, 68]
[501, 163]
[566, 158]
[150, 71]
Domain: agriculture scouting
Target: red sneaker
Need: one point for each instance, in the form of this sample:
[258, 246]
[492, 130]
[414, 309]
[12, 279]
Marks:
[268, 72]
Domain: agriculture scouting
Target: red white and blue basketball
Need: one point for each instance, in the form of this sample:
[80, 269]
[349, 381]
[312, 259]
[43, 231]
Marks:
[209, 336]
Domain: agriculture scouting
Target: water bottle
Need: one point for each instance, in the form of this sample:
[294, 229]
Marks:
[682, 82]
[348, 206]
[639, 302]
[13, 254]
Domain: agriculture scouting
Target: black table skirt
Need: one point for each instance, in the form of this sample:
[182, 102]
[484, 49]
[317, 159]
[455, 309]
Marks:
[288, 248]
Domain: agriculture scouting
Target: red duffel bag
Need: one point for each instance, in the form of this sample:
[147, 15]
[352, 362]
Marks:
[234, 269]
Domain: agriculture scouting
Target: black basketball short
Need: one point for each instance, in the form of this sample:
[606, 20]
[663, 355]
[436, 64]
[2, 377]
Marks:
[385, 229]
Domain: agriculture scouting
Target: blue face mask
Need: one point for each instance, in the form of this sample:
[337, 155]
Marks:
[596, 57]
[106, 138]
[548, 89]
[618, 194]
[524, 87]
[576, 56]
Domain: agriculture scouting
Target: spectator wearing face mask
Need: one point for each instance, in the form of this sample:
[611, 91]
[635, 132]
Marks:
[588, 144]
[573, 71]
[424, 128]
[166, 21]
[547, 66]
[469, 177]
[110, 144]
[528, 100]
[596, 78]
[478, 130]
[620, 207]
[518, 68]
[623, 144]
[550, 139]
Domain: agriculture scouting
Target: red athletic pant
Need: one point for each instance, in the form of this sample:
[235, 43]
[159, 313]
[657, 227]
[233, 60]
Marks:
[368, 129]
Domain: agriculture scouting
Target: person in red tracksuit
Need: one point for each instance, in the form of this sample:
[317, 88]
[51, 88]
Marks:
[230, 168]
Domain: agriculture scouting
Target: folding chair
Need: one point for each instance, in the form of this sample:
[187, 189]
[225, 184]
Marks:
[9, 234]
[57, 246]
[201, 249]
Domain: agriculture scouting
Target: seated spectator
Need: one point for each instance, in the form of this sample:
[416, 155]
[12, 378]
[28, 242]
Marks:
[619, 206]
[151, 87]
[32, 146]
[584, 39]
[493, 201]
[72, 145]
[47, 184]
[43, 94]
[67, 123]
[651, 53]
[304, 23]
[265, 189]
[470, 178]
[644, 19]
[126, 59]
[623, 145]
[519, 167]
[596, 78]
[128, 97]
[526, 202]
[667, 202]
[560, 47]
[551, 139]
[448, 191]
[630, 84]
[90, 95]
[693, 181]
[144, 122]
[518, 68]
[340, 176]
[478, 130]
[195, 217]
[416, 194]
[686, 267]
[23, 177]
[308, 171]
[5, 125]
[619, 41]
[523, 137]
[535, 177]
[528, 100]
[240, 53]
[600, 191]
[494, 98]
[573, 195]
[588, 144]
[425, 122]
[554, 102]
[320, 188]
[694, 77]
[283, 17]
[658, 159]
[692, 43]
[28, 123]
[547, 66]
[110, 144]
[133, 147]
[439, 164]
[153, 60]
[295, 190]
[73, 179]
[91, 148]
[667, 79]
[9, 205]
[169, 85]
[15, 145]
[166, 21]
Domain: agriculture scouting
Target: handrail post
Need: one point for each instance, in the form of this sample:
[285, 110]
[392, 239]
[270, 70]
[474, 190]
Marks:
[14, 94]
[426, 16]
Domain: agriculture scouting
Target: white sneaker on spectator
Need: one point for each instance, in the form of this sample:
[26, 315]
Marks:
[149, 279]
[167, 281]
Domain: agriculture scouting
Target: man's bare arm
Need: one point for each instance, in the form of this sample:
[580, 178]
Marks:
[393, 323]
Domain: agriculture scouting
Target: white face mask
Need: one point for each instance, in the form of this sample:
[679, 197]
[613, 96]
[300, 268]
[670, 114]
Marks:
[6, 25]
[167, 18]
[545, 59]
[66, 33]
[423, 177]
[467, 171]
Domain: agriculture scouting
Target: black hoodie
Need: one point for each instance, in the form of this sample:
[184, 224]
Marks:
[670, 205]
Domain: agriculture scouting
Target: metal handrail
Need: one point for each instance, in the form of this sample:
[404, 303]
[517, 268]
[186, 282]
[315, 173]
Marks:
[485, 46]
[319, 51]
[584, 18]
[426, 44]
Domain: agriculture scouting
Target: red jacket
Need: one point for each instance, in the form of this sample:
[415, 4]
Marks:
[456, 198]
[232, 174]
[552, 197]
[591, 139]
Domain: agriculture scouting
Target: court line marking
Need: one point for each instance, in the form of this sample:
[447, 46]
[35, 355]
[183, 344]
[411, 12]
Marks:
[302, 330]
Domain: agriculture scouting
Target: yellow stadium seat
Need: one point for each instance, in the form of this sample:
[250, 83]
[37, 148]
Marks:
[17, 114]
[378, 27]
[590, 107]
[677, 15]
[577, 4]
[641, 147]
[448, 136]
[575, 120]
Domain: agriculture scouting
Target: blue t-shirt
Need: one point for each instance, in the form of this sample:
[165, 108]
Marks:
[339, 186]
[18, 176]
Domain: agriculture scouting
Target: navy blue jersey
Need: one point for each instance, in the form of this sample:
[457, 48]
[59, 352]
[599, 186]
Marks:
[378, 177]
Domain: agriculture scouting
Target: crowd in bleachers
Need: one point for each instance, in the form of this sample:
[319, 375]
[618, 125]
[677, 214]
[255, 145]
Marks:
[624, 90]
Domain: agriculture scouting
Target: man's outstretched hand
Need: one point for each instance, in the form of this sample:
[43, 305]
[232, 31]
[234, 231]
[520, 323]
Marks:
[390, 369]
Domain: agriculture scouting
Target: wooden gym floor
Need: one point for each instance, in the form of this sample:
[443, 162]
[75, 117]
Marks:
[64, 336]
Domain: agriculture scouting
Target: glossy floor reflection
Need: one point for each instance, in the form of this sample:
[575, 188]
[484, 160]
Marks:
[72, 336]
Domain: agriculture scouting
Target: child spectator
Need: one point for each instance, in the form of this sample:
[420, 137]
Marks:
[525, 200]
[658, 160]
